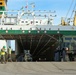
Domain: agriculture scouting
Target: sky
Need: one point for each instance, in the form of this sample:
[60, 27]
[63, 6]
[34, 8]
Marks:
[60, 6]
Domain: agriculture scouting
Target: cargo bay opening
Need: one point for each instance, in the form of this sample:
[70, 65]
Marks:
[40, 46]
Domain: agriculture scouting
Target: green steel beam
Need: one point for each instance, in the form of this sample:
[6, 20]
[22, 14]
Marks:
[36, 32]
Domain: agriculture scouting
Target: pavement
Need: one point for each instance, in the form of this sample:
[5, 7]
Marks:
[38, 68]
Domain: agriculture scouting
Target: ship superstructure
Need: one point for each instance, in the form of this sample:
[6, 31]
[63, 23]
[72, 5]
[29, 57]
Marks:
[35, 32]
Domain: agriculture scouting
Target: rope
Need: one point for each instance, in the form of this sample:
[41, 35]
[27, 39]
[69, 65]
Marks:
[73, 9]
[37, 44]
[31, 43]
[2, 37]
[11, 36]
[48, 48]
[43, 46]
[21, 42]
[69, 9]
[46, 43]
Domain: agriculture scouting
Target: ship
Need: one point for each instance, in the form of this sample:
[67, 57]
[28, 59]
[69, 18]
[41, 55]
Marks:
[35, 33]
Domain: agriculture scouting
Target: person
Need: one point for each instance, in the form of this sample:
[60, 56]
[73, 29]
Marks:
[67, 54]
[57, 54]
[26, 57]
[3, 55]
[20, 58]
[9, 53]
[63, 54]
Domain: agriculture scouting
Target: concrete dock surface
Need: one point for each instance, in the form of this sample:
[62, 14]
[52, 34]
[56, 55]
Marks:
[38, 68]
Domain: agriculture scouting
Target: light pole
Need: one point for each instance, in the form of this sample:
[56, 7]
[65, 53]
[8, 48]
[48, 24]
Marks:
[59, 44]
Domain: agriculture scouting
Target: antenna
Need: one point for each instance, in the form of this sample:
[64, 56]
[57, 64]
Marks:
[32, 5]
[26, 5]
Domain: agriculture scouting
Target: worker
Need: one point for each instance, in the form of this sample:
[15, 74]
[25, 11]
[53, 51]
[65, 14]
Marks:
[63, 54]
[57, 54]
[26, 57]
[9, 53]
[3, 55]
[67, 53]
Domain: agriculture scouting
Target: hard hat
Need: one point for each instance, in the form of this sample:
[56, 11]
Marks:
[67, 48]
[4, 47]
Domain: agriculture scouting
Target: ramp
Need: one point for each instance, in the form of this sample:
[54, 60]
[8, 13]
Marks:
[38, 68]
